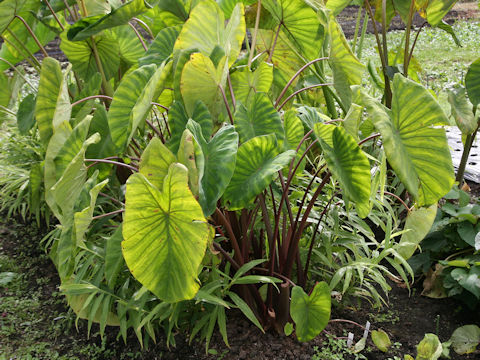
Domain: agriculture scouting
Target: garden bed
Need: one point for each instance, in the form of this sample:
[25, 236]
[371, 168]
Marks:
[36, 321]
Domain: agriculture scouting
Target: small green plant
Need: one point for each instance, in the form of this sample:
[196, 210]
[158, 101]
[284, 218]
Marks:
[335, 349]
[450, 252]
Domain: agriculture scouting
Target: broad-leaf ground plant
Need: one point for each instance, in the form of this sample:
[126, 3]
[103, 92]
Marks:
[201, 155]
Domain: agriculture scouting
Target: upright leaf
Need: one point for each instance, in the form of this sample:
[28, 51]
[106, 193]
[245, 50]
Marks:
[53, 103]
[164, 258]
[419, 222]
[216, 164]
[472, 82]
[348, 164]
[347, 69]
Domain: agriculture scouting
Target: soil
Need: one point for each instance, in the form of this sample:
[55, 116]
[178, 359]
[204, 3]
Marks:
[406, 320]
[461, 11]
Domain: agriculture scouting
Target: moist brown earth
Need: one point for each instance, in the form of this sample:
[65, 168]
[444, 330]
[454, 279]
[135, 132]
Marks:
[406, 319]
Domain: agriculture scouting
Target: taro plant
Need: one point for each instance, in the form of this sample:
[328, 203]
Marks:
[193, 167]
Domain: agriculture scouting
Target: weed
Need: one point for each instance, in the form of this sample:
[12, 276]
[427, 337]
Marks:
[335, 349]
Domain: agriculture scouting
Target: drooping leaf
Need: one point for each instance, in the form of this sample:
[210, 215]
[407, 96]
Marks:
[348, 164]
[205, 30]
[419, 221]
[165, 258]
[246, 83]
[92, 25]
[310, 313]
[162, 47]
[437, 9]
[104, 148]
[294, 130]
[258, 160]
[337, 5]
[462, 110]
[53, 103]
[416, 150]
[25, 114]
[258, 117]
[352, 120]
[113, 257]
[83, 218]
[465, 339]
[216, 163]
[472, 82]
[201, 80]
[430, 348]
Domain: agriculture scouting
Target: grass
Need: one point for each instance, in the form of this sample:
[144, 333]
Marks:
[442, 62]
[35, 322]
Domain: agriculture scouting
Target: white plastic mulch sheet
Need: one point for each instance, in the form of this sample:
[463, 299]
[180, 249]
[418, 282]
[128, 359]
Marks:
[472, 171]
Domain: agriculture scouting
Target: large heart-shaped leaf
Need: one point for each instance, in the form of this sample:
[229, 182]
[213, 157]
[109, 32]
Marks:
[472, 82]
[216, 163]
[164, 257]
[246, 83]
[92, 25]
[416, 150]
[205, 30]
[81, 55]
[258, 160]
[201, 80]
[258, 117]
[419, 222]
[348, 164]
[300, 24]
[310, 312]
[53, 103]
